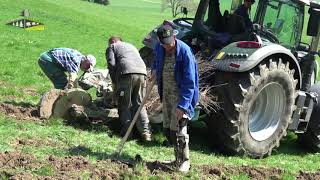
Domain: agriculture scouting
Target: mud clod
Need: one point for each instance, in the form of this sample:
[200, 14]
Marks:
[308, 176]
[222, 171]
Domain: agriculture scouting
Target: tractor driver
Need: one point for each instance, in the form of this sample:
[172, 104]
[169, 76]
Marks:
[244, 11]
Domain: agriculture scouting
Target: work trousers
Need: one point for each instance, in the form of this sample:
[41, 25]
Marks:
[131, 91]
[53, 71]
[177, 129]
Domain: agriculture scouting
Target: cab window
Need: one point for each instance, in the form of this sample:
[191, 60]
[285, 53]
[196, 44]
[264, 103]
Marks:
[284, 20]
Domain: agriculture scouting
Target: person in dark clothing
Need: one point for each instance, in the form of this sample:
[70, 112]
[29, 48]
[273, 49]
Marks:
[244, 11]
[128, 72]
[215, 19]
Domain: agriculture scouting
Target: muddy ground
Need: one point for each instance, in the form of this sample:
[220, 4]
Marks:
[20, 110]
[16, 165]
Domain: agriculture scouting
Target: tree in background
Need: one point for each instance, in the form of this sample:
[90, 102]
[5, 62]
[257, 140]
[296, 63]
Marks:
[104, 2]
[176, 6]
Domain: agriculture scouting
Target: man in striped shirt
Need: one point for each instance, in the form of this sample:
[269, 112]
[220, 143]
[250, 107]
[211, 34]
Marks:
[56, 62]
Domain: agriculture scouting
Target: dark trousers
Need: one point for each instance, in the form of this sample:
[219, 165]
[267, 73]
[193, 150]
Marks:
[131, 91]
[53, 71]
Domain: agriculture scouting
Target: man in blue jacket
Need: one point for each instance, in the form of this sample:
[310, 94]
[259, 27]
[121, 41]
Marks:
[176, 72]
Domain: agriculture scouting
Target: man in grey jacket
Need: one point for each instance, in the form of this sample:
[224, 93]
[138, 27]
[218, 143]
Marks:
[128, 73]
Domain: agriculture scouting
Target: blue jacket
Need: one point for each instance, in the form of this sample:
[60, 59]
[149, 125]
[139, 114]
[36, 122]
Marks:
[186, 75]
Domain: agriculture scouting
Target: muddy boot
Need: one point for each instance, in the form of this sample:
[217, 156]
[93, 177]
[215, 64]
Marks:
[173, 139]
[183, 162]
[182, 147]
[167, 142]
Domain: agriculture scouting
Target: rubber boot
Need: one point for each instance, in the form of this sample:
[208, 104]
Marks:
[183, 162]
[167, 142]
[182, 146]
[173, 138]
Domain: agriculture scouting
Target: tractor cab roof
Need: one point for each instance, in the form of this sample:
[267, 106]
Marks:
[314, 3]
[307, 2]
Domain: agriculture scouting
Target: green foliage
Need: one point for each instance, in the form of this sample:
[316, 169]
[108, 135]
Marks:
[104, 2]
[176, 5]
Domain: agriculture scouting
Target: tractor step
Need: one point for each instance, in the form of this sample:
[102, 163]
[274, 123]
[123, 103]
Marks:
[302, 113]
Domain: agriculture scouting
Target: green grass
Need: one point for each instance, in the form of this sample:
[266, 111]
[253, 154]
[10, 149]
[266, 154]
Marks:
[86, 26]
[79, 24]
[60, 140]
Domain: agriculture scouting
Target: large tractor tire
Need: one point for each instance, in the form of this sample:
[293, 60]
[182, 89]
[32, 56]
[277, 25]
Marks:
[257, 108]
[146, 54]
[311, 138]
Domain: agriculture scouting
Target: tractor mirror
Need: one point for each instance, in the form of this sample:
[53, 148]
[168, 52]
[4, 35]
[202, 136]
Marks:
[303, 47]
[314, 22]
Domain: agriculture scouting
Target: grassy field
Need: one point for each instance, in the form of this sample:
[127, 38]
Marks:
[78, 24]
[86, 27]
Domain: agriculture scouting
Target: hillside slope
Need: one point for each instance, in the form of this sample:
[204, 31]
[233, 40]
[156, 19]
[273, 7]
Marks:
[72, 23]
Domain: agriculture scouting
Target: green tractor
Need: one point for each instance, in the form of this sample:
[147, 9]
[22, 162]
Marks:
[262, 74]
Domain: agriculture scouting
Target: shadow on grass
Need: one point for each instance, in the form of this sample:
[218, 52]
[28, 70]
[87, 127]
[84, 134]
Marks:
[21, 104]
[84, 151]
[290, 145]
[198, 133]
[123, 158]
[111, 126]
[200, 140]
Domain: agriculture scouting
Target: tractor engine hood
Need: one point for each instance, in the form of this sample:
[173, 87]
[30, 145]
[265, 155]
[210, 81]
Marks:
[237, 57]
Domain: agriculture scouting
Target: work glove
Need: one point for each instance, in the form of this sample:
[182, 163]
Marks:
[71, 80]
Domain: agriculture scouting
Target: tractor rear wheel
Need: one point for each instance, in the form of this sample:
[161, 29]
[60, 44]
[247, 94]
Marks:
[311, 138]
[257, 106]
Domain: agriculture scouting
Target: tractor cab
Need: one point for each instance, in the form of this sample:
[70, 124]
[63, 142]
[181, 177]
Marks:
[275, 21]
[281, 21]
[217, 24]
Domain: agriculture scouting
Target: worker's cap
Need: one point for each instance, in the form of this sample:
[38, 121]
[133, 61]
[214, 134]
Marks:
[166, 34]
[92, 61]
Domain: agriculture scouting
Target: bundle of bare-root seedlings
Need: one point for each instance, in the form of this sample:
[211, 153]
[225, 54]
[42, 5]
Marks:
[153, 104]
[207, 101]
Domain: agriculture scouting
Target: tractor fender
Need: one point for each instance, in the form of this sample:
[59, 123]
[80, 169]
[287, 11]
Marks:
[234, 59]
